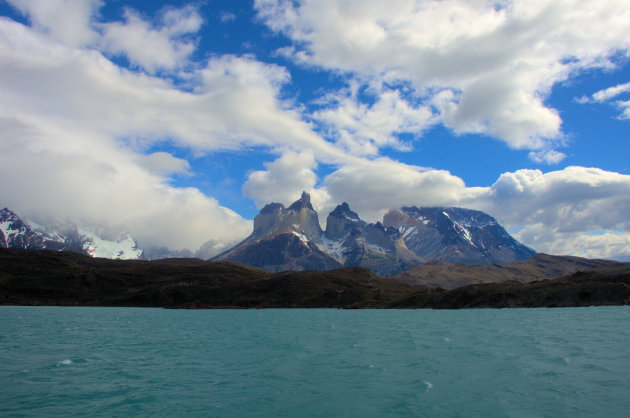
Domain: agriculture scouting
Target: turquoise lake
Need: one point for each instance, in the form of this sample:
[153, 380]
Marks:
[62, 361]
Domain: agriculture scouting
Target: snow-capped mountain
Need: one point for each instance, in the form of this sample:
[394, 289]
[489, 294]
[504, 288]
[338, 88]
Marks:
[456, 235]
[64, 236]
[291, 238]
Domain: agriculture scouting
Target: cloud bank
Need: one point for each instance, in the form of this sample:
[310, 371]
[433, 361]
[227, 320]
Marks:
[485, 67]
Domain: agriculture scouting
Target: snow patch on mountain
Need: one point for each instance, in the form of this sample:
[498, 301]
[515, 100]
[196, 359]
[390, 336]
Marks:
[124, 248]
[461, 230]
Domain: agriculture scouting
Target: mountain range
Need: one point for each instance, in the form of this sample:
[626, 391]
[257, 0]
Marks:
[292, 239]
[65, 236]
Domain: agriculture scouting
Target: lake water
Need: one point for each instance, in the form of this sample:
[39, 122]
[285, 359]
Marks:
[58, 361]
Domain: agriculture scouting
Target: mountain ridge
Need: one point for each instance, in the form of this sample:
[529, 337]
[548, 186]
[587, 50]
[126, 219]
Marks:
[17, 233]
[408, 236]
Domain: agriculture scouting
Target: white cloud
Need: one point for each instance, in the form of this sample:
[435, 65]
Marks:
[575, 199]
[165, 46]
[283, 180]
[395, 184]
[227, 17]
[624, 105]
[234, 102]
[65, 21]
[577, 210]
[163, 163]
[497, 61]
[565, 211]
[363, 128]
[76, 127]
[610, 92]
[102, 183]
[547, 156]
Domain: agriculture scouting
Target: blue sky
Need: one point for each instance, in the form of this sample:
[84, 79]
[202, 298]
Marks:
[179, 120]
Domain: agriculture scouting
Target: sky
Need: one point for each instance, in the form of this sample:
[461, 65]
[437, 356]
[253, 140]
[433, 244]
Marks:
[179, 120]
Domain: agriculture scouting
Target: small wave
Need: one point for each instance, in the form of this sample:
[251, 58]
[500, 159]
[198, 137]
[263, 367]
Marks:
[428, 384]
[448, 340]
[65, 362]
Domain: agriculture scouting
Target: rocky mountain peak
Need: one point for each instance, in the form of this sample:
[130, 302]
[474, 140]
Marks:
[7, 215]
[344, 210]
[272, 208]
[299, 218]
[16, 233]
[456, 235]
[303, 202]
[341, 221]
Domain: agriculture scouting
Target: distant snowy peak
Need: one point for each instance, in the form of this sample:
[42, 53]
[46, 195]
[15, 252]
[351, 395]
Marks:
[124, 247]
[14, 233]
[456, 235]
[65, 236]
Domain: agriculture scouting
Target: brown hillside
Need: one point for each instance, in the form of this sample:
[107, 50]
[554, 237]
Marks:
[539, 267]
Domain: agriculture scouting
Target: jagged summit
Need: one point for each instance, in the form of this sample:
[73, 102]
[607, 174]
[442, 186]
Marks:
[344, 210]
[341, 221]
[272, 208]
[299, 218]
[291, 238]
[303, 202]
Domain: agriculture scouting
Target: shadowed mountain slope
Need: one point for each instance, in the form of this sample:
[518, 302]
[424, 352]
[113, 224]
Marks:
[40, 277]
[607, 285]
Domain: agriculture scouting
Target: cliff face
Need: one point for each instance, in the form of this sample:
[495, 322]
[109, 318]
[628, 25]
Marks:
[284, 239]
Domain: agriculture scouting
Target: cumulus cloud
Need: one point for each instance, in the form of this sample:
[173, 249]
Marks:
[282, 180]
[564, 211]
[153, 47]
[363, 129]
[234, 103]
[76, 127]
[575, 199]
[396, 185]
[487, 67]
[102, 183]
[163, 163]
[66, 21]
